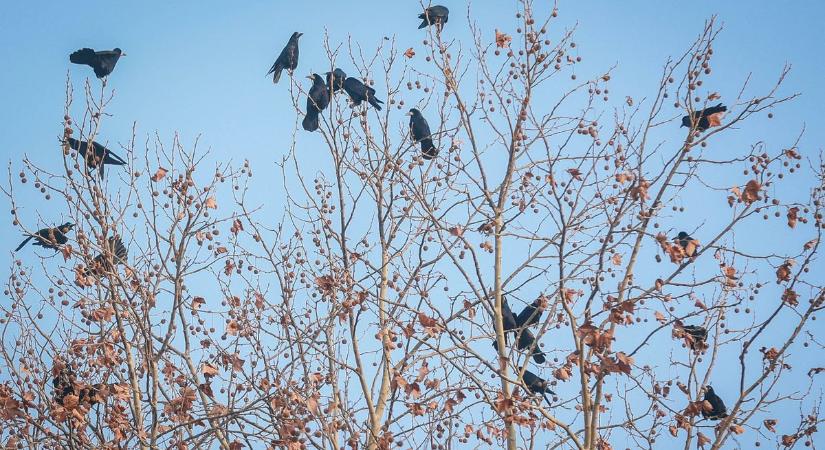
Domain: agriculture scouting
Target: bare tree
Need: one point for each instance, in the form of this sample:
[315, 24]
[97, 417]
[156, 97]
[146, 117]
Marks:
[374, 310]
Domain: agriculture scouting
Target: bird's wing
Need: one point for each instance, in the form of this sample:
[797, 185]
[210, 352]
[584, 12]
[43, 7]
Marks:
[83, 56]
[274, 67]
[526, 314]
[420, 128]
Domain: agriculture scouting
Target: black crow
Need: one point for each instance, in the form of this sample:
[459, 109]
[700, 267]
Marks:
[115, 248]
[335, 80]
[706, 118]
[103, 62]
[51, 238]
[98, 158]
[66, 384]
[63, 383]
[360, 92]
[434, 15]
[537, 385]
[526, 339]
[317, 101]
[717, 406]
[531, 313]
[508, 317]
[288, 59]
[421, 133]
[689, 244]
[697, 336]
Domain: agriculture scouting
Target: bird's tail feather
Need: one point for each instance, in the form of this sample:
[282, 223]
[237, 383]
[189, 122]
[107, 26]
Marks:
[310, 122]
[83, 56]
[376, 103]
[275, 71]
[544, 394]
[428, 149]
[113, 159]
[424, 22]
[26, 241]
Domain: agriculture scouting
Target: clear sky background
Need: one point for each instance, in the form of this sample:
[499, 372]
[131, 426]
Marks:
[198, 67]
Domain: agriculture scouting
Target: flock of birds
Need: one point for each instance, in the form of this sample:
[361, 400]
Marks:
[318, 98]
[324, 88]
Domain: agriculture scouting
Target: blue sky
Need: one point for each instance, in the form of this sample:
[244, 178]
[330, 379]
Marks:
[198, 68]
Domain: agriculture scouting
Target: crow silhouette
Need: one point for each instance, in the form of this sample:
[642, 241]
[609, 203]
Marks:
[689, 244]
[717, 406]
[421, 133]
[103, 61]
[525, 337]
[98, 158]
[335, 80]
[360, 92]
[317, 101]
[537, 385]
[288, 59]
[706, 118]
[437, 15]
[114, 247]
[51, 238]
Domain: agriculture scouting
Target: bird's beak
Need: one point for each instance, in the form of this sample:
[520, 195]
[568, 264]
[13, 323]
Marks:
[408, 114]
[122, 54]
[310, 77]
[300, 34]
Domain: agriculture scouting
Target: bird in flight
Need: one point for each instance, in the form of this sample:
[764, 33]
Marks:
[421, 133]
[51, 238]
[288, 59]
[360, 92]
[437, 15]
[706, 118]
[317, 101]
[103, 61]
[98, 158]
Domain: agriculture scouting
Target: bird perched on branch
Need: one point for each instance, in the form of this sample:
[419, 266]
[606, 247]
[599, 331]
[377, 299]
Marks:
[103, 61]
[51, 238]
[420, 130]
[526, 339]
[696, 336]
[537, 385]
[66, 384]
[706, 118]
[437, 15]
[531, 313]
[717, 408]
[288, 59]
[317, 101]
[360, 92]
[689, 244]
[335, 80]
[98, 158]
[114, 247]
